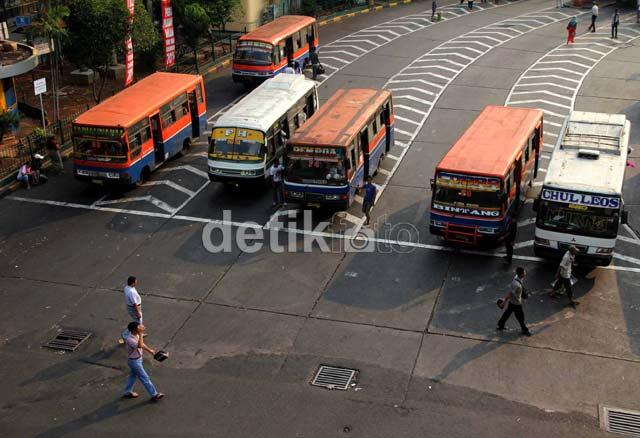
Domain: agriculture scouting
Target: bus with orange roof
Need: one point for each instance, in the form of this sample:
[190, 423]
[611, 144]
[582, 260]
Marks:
[123, 139]
[485, 175]
[329, 156]
[267, 50]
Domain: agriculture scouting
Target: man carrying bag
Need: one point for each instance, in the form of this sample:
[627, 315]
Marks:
[514, 300]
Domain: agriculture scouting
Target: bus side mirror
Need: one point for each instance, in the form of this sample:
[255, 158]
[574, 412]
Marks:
[536, 203]
[625, 217]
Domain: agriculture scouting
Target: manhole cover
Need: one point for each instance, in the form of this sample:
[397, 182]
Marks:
[334, 377]
[620, 421]
[68, 339]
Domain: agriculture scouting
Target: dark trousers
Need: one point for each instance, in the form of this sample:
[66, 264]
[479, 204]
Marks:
[470, 4]
[508, 246]
[566, 282]
[517, 309]
[278, 192]
[592, 27]
[614, 30]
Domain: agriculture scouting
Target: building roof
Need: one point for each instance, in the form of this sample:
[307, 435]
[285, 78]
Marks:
[341, 118]
[131, 104]
[265, 105]
[590, 154]
[493, 141]
[278, 29]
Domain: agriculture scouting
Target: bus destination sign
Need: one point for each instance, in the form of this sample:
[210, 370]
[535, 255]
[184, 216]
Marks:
[581, 199]
[97, 131]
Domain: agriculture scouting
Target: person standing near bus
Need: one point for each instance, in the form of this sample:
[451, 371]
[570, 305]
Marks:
[369, 198]
[571, 30]
[564, 275]
[434, 7]
[510, 237]
[594, 17]
[54, 150]
[315, 63]
[515, 300]
[133, 302]
[276, 176]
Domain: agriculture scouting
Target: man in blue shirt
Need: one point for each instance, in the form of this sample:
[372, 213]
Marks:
[370, 192]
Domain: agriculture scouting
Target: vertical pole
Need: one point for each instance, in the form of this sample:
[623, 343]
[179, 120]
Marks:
[44, 126]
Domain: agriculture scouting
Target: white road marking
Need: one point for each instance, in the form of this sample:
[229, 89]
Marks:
[171, 184]
[187, 167]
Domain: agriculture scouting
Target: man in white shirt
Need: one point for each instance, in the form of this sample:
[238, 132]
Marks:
[594, 17]
[276, 176]
[133, 302]
[564, 274]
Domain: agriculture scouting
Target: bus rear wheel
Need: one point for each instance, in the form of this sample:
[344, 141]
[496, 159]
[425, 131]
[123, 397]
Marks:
[186, 145]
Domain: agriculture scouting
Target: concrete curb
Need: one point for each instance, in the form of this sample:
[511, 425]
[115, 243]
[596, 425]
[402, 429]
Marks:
[344, 15]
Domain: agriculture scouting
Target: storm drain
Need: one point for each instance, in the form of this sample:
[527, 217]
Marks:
[68, 339]
[621, 421]
[334, 377]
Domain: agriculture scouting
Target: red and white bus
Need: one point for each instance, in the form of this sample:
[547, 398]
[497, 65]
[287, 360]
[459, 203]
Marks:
[266, 51]
[127, 136]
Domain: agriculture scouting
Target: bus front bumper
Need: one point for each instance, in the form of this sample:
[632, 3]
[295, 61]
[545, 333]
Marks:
[336, 202]
[582, 258]
[235, 177]
[102, 177]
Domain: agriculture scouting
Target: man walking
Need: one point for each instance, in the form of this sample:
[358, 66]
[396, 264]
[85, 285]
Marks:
[559, 3]
[514, 299]
[510, 237]
[369, 198]
[135, 347]
[315, 63]
[276, 175]
[594, 17]
[434, 7]
[133, 302]
[564, 275]
[615, 20]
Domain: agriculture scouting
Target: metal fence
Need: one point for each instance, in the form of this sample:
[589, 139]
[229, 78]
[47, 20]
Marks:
[13, 154]
[209, 52]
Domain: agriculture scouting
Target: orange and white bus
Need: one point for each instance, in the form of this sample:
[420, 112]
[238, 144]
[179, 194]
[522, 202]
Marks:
[486, 174]
[124, 138]
[338, 147]
[266, 51]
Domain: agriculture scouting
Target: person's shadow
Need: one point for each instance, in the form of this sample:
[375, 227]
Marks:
[105, 412]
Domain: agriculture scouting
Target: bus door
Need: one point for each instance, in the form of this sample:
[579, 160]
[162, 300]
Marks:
[518, 182]
[364, 145]
[157, 138]
[289, 49]
[387, 126]
[193, 109]
[536, 148]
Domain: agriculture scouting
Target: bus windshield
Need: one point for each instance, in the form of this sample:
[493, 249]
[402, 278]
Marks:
[578, 219]
[237, 143]
[94, 143]
[253, 53]
[316, 165]
[468, 191]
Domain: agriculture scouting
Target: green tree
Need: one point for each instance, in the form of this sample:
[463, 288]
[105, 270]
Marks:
[97, 30]
[144, 34]
[220, 13]
[51, 25]
[8, 122]
[195, 25]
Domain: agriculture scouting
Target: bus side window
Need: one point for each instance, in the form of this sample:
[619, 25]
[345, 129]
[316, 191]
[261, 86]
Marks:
[527, 149]
[275, 56]
[352, 159]
[371, 132]
[375, 125]
[381, 116]
[283, 51]
[388, 112]
[364, 138]
[271, 147]
[296, 43]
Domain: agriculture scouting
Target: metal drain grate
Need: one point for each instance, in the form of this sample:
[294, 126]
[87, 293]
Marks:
[68, 339]
[620, 421]
[334, 377]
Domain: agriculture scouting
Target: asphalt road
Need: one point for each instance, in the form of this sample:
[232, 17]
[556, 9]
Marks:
[247, 331]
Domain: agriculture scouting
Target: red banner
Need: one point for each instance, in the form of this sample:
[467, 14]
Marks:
[128, 46]
[167, 34]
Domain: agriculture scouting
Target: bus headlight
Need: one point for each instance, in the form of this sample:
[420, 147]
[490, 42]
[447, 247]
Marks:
[298, 195]
[215, 170]
[541, 241]
[487, 230]
[438, 224]
[113, 175]
[604, 250]
[82, 172]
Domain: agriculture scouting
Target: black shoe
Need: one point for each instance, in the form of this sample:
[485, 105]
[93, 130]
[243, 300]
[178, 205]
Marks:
[526, 333]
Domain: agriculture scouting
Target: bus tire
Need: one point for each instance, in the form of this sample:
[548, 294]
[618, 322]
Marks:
[186, 145]
[145, 176]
